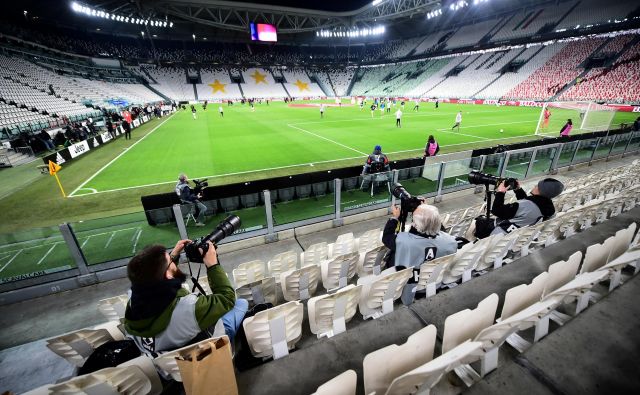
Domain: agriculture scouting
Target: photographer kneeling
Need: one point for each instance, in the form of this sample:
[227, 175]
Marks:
[528, 210]
[423, 242]
[161, 315]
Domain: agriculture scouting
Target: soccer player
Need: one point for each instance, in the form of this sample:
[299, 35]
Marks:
[193, 111]
[416, 106]
[398, 117]
[458, 121]
[361, 104]
[566, 129]
[221, 110]
[547, 115]
[373, 109]
[204, 105]
[321, 110]
[437, 104]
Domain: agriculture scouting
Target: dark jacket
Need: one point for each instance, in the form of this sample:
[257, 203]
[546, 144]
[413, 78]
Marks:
[528, 210]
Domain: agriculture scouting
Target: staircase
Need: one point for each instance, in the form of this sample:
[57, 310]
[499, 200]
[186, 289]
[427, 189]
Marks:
[11, 157]
[285, 89]
[352, 82]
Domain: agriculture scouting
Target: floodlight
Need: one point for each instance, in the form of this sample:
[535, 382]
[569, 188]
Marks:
[376, 2]
[171, 24]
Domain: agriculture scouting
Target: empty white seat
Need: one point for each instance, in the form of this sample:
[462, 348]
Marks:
[113, 308]
[467, 258]
[495, 252]
[522, 296]
[343, 384]
[382, 366]
[371, 261]
[622, 241]
[422, 379]
[337, 271]
[273, 332]
[596, 255]
[632, 257]
[259, 292]
[561, 273]
[578, 289]
[432, 272]
[300, 284]
[76, 346]
[345, 244]
[248, 272]
[328, 314]
[369, 240]
[167, 365]
[313, 255]
[466, 324]
[379, 292]
[281, 263]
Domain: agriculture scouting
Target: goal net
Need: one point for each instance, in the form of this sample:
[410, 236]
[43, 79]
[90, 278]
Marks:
[585, 116]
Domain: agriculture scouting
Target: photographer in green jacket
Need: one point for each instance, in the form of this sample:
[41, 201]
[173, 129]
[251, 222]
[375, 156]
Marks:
[162, 315]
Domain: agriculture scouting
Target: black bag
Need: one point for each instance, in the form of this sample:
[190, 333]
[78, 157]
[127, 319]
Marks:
[109, 355]
[484, 226]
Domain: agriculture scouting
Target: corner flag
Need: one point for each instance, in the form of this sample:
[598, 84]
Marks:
[54, 168]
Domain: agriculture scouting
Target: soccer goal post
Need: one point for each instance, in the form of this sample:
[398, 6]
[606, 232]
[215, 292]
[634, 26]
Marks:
[586, 117]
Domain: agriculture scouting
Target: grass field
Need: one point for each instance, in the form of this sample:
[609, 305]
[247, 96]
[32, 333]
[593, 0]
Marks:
[106, 184]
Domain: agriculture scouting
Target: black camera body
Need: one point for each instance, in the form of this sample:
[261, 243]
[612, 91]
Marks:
[478, 178]
[225, 228]
[410, 203]
[200, 185]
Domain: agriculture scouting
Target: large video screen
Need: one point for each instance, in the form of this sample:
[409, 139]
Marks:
[263, 32]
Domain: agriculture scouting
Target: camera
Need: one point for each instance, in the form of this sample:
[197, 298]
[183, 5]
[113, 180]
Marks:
[478, 178]
[225, 228]
[407, 201]
[200, 185]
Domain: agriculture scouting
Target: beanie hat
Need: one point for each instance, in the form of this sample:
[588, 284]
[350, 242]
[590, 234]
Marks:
[377, 148]
[550, 188]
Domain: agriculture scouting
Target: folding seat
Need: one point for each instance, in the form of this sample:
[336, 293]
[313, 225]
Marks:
[622, 241]
[560, 273]
[466, 325]
[343, 384]
[250, 200]
[249, 272]
[328, 314]
[336, 272]
[113, 308]
[230, 203]
[597, 255]
[432, 273]
[379, 292]
[78, 345]
[259, 292]
[345, 244]
[315, 254]
[369, 239]
[300, 284]
[523, 296]
[467, 258]
[382, 366]
[285, 194]
[496, 252]
[371, 261]
[548, 233]
[281, 263]
[460, 229]
[319, 188]
[423, 378]
[577, 290]
[166, 362]
[273, 332]
[615, 266]
[303, 191]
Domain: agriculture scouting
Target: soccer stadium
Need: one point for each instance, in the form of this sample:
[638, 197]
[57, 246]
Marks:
[320, 197]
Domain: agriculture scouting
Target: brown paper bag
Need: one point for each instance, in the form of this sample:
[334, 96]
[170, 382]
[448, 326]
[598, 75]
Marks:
[207, 368]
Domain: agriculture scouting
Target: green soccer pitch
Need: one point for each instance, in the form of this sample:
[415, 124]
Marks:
[293, 138]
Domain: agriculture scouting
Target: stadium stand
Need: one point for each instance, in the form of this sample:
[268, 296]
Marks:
[171, 81]
[340, 80]
[260, 83]
[216, 84]
[585, 13]
[298, 84]
[530, 21]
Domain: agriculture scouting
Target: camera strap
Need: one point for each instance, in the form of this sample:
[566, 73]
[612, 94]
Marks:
[194, 280]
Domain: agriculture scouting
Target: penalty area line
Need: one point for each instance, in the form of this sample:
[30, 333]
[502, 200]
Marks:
[81, 186]
[325, 138]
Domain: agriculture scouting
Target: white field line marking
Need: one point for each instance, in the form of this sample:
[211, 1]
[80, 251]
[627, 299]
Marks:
[135, 243]
[10, 260]
[85, 241]
[118, 157]
[32, 247]
[109, 241]
[296, 165]
[47, 254]
[327, 139]
[390, 115]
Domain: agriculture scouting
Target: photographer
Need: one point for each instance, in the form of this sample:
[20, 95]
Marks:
[161, 315]
[528, 210]
[376, 162]
[187, 196]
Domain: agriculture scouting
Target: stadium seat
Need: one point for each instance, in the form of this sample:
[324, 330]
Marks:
[259, 292]
[303, 191]
[319, 188]
[300, 284]
[328, 314]
[368, 240]
[382, 366]
[467, 258]
[561, 273]
[596, 255]
[230, 203]
[273, 332]
[166, 362]
[466, 324]
[315, 254]
[249, 272]
[577, 290]
[113, 308]
[614, 267]
[343, 384]
[379, 292]
[336, 272]
[250, 200]
[78, 345]
[345, 244]
[285, 194]
[432, 272]
[423, 378]
[522, 296]
[281, 263]
[496, 252]
[371, 261]
[622, 241]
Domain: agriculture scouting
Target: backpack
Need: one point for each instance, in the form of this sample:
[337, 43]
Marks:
[109, 355]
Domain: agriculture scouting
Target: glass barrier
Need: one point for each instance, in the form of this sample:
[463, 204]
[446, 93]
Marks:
[518, 164]
[250, 209]
[585, 150]
[456, 173]
[363, 191]
[421, 180]
[33, 253]
[493, 163]
[620, 144]
[302, 202]
[635, 142]
[566, 155]
[604, 147]
[111, 238]
[543, 161]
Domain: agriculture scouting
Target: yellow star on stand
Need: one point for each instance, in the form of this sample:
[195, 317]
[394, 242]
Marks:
[218, 86]
[259, 77]
[302, 85]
